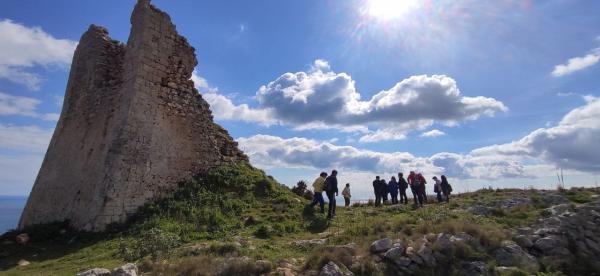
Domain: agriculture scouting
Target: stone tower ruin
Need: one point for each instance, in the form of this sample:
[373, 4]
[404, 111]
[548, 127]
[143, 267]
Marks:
[132, 127]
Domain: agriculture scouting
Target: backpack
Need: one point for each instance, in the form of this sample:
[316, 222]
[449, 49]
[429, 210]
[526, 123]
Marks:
[328, 187]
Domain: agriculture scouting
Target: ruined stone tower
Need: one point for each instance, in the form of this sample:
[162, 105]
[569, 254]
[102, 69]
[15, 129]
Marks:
[132, 127]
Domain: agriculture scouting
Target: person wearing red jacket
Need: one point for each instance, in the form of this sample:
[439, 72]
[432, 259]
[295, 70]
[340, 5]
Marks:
[414, 183]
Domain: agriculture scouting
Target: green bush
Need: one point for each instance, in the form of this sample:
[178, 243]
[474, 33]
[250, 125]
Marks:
[154, 242]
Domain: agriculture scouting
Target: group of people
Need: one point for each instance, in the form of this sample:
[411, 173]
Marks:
[415, 181]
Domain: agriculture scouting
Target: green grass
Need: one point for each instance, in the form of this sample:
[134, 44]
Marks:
[239, 211]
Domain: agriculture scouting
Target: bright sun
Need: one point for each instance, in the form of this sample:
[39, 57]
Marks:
[390, 9]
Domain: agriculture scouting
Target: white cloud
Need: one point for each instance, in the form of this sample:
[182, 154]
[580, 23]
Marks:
[224, 109]
[577, 63]
[23, 47]
[25, 138]
[23, 106]
[16, 105]
[571, 144]
[323, 99]
[432, 133]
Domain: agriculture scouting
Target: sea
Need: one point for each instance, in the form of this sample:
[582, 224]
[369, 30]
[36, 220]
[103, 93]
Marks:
[10, 211]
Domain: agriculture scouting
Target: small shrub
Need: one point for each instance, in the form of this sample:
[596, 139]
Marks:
[223, 249]
[318, 224]
[264, 231]
[154, 242]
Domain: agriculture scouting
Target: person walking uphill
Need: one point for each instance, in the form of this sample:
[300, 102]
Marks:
[422, 189]
[377, 190]
[331, 189]
[393, 189]
[318, 186]
[384, 191]
[402, 186]
[346, 195]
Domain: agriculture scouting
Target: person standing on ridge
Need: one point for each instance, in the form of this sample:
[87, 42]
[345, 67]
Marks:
[377, 190]
[422, 189]
[331, 189]
[446, 188]
[402, 186]
[393, 189]
[346, 195]
[413, 181]
[384, 191]
[437, 189]
[318, 186]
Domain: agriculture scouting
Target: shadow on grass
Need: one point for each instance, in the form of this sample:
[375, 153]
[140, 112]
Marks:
[47, 242]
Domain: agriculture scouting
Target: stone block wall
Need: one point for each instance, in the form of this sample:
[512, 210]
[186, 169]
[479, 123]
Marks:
[132, 127]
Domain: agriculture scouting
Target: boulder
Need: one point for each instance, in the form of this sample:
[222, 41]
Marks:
[547, 245]
[382, 245]
[511, 254]
[394, 253]
[443, 243]
[507, 270]
[476, 268]
[23, 262]
[461, 237]
[332, 269]
[125, 270]
[309, 244]
[426, 255]
[523, 241]
[22, 238]
[95, 272]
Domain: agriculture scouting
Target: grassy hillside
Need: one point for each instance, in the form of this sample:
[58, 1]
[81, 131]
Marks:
[239, 214]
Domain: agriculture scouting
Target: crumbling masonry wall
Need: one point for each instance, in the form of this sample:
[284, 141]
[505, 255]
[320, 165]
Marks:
[132, 127]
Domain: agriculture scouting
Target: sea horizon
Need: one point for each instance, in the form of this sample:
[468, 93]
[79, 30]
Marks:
[11, 207]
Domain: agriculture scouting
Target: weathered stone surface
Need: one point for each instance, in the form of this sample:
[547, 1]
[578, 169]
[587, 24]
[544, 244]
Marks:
[332, 269]
[381, 245]
[23, 263]
[22, 238]
[477, 268]
[132, 127]
[511, 254]
[125, 270]
[307, 244]
[95, 272]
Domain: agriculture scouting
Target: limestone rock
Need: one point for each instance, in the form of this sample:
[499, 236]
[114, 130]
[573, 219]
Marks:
[382, 245]
[523, 241]
[23, 262]
[308, 244]
[132, 127]
[511, 254]
[22, 238]
[332, 269]
[476, 268]
[95, 272]
[125, 270]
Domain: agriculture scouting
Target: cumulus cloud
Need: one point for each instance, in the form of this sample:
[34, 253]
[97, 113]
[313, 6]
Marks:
[577, 63]
[23, 48]
[572, 144]
[23, 106]
[271, 151]
[321, 98]
[25, 138]
[432, 133]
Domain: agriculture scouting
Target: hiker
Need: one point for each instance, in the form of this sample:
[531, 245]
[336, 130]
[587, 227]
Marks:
[318, 186]
[346, 195]
[413, 182]
[393, 189]
[384, 191]
[446, 188]
[437, 189]
[402, 186]
[331, 189]
[377, 190]
[422, 189]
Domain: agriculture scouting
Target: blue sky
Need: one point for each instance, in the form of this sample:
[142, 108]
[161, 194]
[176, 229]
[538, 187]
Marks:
[490, 93]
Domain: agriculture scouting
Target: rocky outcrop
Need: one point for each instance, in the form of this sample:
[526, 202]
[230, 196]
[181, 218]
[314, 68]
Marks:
[132, 127]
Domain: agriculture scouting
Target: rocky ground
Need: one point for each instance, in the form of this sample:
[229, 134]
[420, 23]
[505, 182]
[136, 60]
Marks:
[488, 232]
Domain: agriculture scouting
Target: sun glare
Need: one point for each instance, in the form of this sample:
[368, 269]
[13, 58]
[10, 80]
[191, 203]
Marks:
[390, 9]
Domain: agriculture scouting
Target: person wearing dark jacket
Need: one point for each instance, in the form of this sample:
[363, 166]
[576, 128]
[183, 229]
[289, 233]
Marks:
[384, 191]
[331, 189]
[393, 189]
[446, 188]
[402, 186]
[414, 182]
[377, 190]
